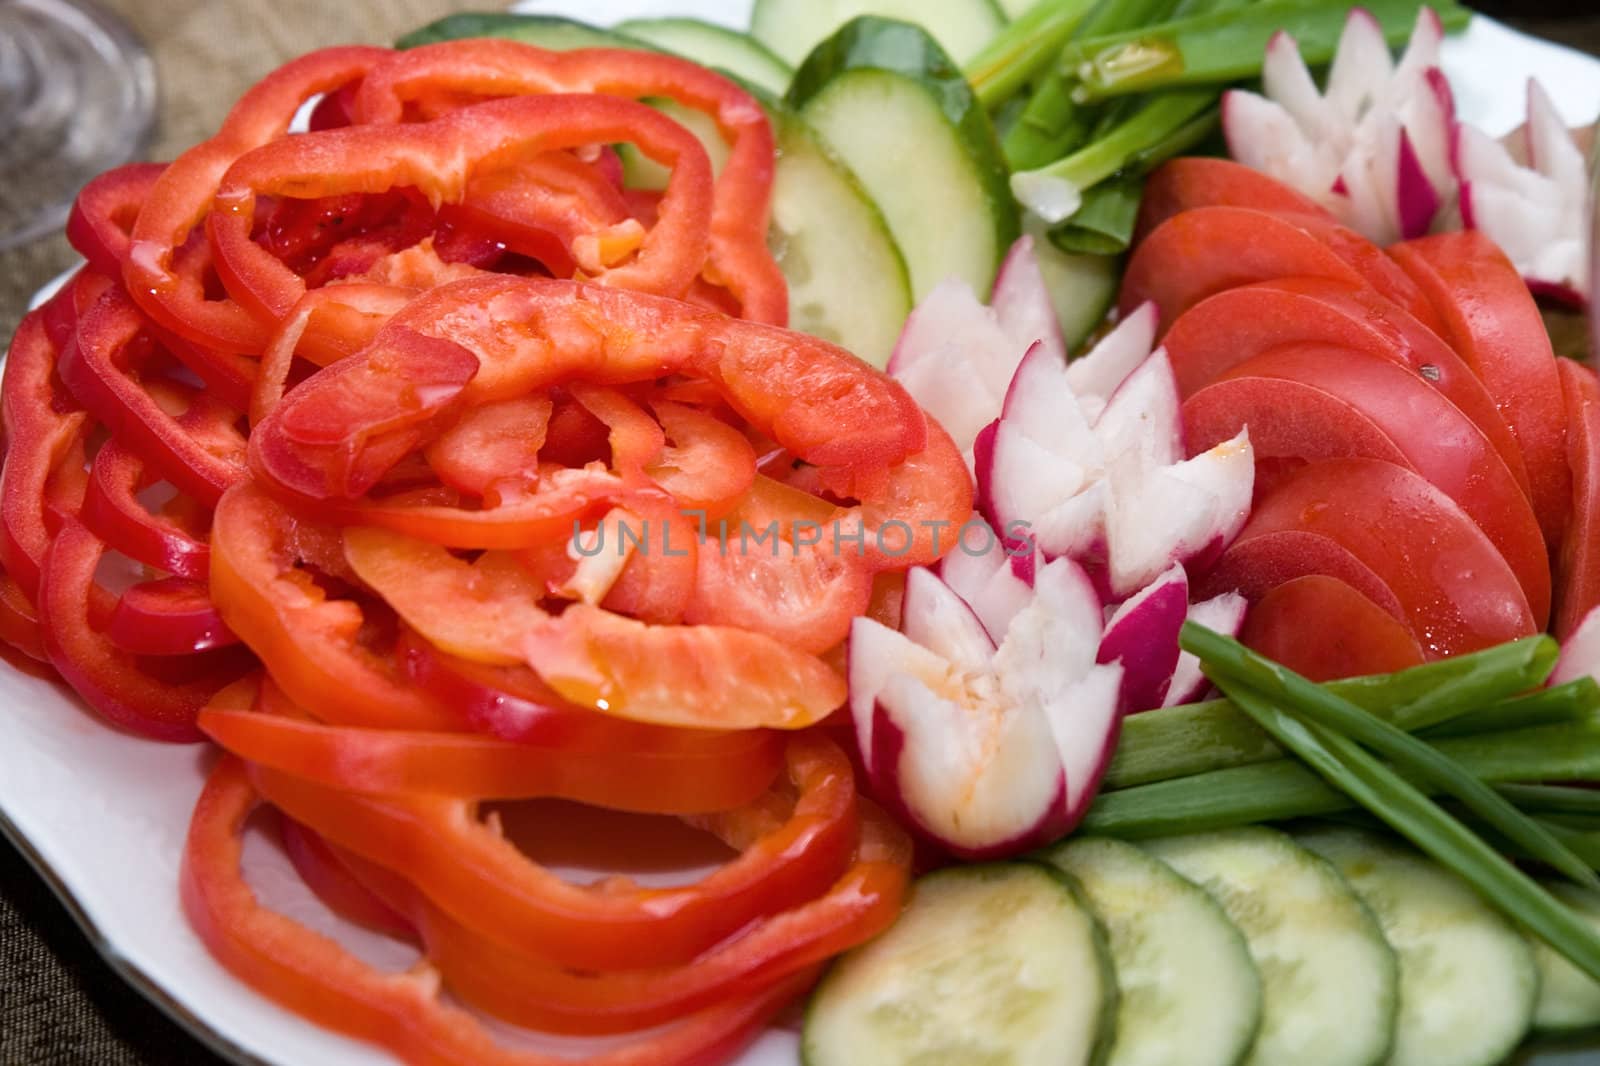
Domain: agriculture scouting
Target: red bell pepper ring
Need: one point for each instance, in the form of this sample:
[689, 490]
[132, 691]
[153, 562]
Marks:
[533, 992]
[688, 774]
[103, 215]
[1491, 319]
[740, 258]
[314, 976]
[62, 311]
[168, 616]
[43, 431]
[707, 465]
[310, 643]
[327, 325]
[100, 369]
[440, 158]
[113, 512]
[19, 621]
[493, 449]
[112, 681]
[815, 399]
[176, 299]
[545, 208]
[479, 878]
[1578, 561]
[323, 872]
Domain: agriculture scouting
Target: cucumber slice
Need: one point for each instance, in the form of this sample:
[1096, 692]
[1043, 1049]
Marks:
[1568, 998]
[641, 172]
[791, 28]
[999, 963]
[1189, 992]
[847, 279]
[714, 46]
[1328, 978]
[546, 31]
[1082, 288]
[890, 103]
[1468, 982]
[1015, 8]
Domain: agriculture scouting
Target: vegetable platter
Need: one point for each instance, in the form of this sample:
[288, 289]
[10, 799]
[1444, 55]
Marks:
[317, 457]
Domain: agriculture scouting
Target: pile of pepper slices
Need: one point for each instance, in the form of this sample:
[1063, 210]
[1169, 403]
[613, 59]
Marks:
[305, 460]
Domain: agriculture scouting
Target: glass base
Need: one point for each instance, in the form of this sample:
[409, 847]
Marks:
[77, 97]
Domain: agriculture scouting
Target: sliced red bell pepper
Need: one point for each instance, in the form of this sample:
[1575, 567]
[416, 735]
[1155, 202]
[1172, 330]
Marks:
[312, 975]
[740, 258]
[481, 880]
[103, 215]
[114, 682]
[101, 369]
[440, 158]
[182, 196]
[43, 431]
[168, 616]
[310, 642]
[679, 775]
[533, 992]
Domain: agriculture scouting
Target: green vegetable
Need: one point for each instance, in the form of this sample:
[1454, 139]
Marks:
[1215, 735]
[1226, 46]
[1563, 703]
[1237, 669]
[1023, 49]
[1104, 224]
[1350, 768]
[1284, 788]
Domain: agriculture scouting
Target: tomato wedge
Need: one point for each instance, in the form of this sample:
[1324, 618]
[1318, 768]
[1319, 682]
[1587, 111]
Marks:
[1492, 321]
[1322, 628]
[1313, 402]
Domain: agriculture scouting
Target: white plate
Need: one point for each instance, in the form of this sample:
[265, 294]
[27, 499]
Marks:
[103, 815]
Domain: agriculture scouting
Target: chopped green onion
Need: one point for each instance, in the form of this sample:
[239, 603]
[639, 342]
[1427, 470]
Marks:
[1104, 224]
[1024, 49]
[1563, 703]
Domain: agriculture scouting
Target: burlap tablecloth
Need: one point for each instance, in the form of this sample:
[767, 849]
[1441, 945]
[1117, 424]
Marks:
[59, 1003]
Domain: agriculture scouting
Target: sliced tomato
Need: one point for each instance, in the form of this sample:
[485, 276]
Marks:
[1211, 249]
[1199, 181]
[1238, 324]
[1322, 628]
[1456, 590]
[781, 570]
[1578, 565]
[1315, 402]
[1492, 321]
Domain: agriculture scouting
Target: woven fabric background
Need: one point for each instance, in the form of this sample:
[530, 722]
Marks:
[60, 1005]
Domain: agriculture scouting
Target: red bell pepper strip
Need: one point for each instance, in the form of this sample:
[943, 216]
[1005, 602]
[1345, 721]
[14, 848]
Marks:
[479, 878]
[707, 464]
[103, 215]
[168, 616]
[62, 311]
[740, 259]
[182, 196]
[684, 775]
[310, 642]
[440, 158]
[493, 449]
[100, 369]
[1578, 561]
[315, 977]
[327, 325]
[19, 621]
[113, 512]
[323, 872]
[113, 681]
[43, 430]
[533, 992]
[1490, 318]
[813, 398]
